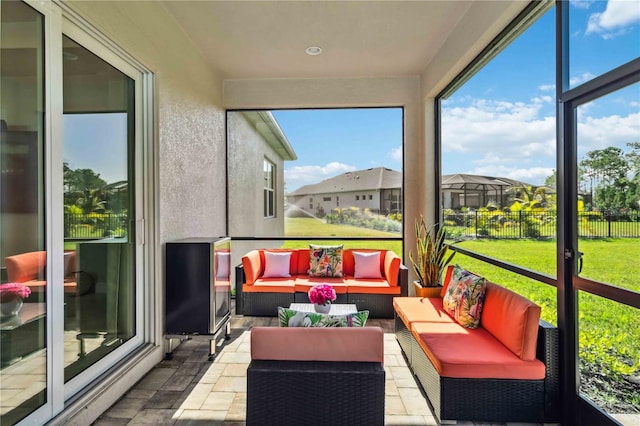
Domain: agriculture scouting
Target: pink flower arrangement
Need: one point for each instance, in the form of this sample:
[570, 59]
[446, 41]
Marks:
[11, 291]
[322, 294]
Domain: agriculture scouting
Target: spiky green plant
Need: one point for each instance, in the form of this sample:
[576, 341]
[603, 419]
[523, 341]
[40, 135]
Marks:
[431, 253]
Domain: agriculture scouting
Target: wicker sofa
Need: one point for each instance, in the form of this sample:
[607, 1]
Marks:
[504, 371]
[316, 376]
[260, 296]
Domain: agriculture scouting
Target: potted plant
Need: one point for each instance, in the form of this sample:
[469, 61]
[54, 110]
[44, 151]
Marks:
[430, 260]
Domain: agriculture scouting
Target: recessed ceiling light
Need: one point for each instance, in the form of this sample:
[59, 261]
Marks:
[313, 50]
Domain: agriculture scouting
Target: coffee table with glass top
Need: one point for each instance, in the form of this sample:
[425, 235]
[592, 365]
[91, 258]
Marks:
[336, 308]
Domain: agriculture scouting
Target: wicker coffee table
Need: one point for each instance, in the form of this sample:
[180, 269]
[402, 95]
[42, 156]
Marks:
[336, 308]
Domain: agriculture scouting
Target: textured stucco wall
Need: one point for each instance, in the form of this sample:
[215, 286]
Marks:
[247, 151]
[190, 117]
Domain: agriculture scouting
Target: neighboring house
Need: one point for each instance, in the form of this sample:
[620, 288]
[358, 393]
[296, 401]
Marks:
[262, 148]
[474, 191]
[377, 189]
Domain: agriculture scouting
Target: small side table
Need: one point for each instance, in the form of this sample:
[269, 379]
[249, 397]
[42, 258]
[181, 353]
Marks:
[336, 308]
[22, 334]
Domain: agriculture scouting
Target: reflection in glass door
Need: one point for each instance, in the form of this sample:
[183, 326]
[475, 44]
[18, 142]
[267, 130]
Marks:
[608, 227]
[99, 253]
[23, 282]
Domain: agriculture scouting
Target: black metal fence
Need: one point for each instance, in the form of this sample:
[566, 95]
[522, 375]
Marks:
[529, 224]
[95, 225]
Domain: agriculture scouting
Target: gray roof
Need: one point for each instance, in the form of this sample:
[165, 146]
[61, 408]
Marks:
[359, 180]
[460, 181]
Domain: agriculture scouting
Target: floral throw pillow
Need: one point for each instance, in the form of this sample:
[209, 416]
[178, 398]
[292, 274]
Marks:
[325, 261]
[464, 297]
[292, 318]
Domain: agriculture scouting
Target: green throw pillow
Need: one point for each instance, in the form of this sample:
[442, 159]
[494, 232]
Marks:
[292, 318]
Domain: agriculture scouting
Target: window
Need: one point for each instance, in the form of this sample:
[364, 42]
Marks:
[304, 177]
[371, 197]
[269, 189]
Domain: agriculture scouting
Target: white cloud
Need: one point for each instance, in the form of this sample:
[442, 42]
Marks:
[601, 132]
[396, 153]
[517, 140]
[547, 87]
[579, 79]
[297, 176]
[616, 18]
[499, 130]
[581, 4]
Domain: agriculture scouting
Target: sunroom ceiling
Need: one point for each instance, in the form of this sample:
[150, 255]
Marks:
[267, 39]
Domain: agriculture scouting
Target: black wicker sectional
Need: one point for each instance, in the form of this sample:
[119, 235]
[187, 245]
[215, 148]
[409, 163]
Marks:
[376, 296]
[484, 399]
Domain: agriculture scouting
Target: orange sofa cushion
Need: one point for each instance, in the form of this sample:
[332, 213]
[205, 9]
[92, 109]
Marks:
[26, 266]
[29, 269]
[370, 286]
[361, 344]
[512, 319]
[253, 266]
[456, 351]
[303, 283]
[270, 285]
[420, 309]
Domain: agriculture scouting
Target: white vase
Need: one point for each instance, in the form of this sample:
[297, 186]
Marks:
[322, 309]
[11, 308]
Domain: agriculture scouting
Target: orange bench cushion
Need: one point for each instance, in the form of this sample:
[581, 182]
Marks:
[460, 352]
[420, 309]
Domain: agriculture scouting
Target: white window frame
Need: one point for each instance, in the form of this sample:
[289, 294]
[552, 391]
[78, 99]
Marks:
[269, 204]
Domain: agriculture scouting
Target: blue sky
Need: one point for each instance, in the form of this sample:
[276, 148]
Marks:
[502, 122]
[97, 142]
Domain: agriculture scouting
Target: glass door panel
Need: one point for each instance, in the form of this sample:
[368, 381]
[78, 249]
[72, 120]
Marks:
[608, 229]
[23, 282]
[98, 143]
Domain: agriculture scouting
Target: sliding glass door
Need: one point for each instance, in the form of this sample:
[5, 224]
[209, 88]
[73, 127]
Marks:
[98, 172]
[71, 211]
[23, 309]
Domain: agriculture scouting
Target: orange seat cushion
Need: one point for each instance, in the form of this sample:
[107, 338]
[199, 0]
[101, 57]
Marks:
[270, 285]
[370, 286]
[26, 266]
[460, 352]
[303, 283]
[420, 309]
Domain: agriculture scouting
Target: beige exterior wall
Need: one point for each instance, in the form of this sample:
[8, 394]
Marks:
[247, 152]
